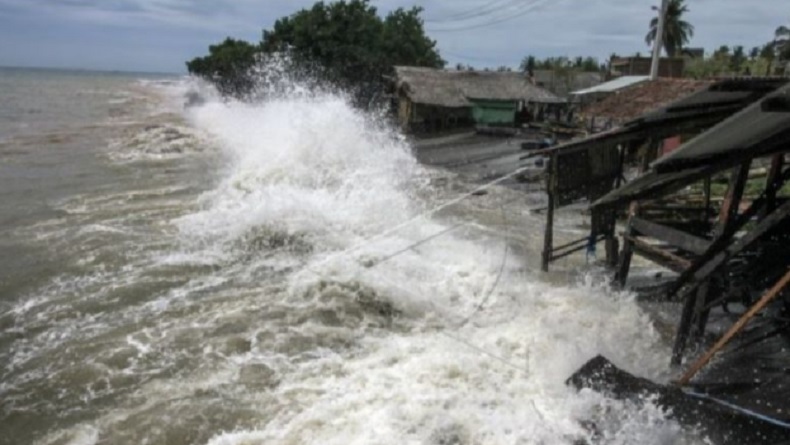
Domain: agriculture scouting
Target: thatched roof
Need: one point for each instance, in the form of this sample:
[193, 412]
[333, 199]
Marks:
[454, 88]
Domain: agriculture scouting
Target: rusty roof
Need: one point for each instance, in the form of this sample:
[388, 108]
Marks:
[636, 100]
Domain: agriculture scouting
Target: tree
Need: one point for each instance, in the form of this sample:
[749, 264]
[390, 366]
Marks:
[352, 43]
[782, 44]
[677, 32]
[343, 42]
[226, 65]
[528, 64]
[737, 59]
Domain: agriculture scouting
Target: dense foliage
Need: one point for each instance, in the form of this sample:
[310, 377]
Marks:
[579, 64]
[226, 66]
[348, 40]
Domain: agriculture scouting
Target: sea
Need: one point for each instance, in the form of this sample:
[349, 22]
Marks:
[184, 271]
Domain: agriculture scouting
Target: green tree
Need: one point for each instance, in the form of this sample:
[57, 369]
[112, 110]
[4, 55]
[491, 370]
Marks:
[738, 58]
[781, 44]
[677, 32]
[528, 64]
[351, 42]
[226, 66]
[346, 41]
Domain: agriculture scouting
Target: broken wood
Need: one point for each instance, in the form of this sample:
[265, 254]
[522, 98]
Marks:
[735, 329]
[678, 238]
[723, 424]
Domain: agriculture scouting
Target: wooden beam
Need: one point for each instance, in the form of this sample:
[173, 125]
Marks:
[736, 328]
[732, 199]
[675, 237]
[673, 262]
[721, 242]
[721, 250]
[773, 181]
[548, 237]
[551, 189]
[727, 217]
[624, 265]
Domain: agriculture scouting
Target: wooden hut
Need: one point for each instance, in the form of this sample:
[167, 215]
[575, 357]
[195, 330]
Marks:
[431, 100]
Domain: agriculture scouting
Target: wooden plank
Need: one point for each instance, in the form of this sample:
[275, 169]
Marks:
[735, 329]
[675, 237]
[732, 199]
[673, 262]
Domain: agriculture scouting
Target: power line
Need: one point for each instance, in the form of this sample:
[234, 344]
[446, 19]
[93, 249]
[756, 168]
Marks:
[487, 8]
[529, 8]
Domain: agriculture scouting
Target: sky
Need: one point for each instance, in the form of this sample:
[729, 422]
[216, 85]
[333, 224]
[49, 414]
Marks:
[160, 35]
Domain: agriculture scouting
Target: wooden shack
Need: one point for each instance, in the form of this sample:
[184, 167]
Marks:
[433, 100]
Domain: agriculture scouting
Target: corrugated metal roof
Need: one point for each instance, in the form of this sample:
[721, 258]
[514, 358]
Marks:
[612, 86]
[760, 129]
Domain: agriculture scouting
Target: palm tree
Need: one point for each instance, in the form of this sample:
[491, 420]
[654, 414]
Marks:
[782, 42]
[677, 32]
[778, 49]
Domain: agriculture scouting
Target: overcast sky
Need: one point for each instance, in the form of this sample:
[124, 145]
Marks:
[159, 35]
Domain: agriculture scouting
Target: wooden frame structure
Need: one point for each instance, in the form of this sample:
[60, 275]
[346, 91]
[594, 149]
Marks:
[590, 168]
[721, 264]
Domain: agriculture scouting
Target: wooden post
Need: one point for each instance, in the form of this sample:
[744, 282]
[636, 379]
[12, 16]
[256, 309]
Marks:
[624, 266]
[727, 217]
[736, 328]
[772, 183]
[706, 191]
[548, 237]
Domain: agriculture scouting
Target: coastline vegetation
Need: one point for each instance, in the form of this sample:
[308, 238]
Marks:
[349, 45]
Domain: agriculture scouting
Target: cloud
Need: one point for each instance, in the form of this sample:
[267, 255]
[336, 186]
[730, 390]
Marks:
[479, 32]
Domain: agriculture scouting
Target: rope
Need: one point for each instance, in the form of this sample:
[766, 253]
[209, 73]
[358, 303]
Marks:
[496, 281]
[418, 243]
[384, 234]
[740, 409]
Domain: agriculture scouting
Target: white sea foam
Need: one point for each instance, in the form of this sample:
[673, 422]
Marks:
[285, 326]
[311, 165]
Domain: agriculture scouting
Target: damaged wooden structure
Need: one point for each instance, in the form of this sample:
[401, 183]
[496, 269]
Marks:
[587, 169]
[730, 254]
[719, 260]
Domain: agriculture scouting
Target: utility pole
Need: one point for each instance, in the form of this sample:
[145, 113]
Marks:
[659, 42]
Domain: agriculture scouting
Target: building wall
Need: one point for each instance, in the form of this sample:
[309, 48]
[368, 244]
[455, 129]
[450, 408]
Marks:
[494, 112]
[640, 66]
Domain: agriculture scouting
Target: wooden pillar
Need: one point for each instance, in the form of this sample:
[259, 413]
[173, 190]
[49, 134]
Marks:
[624, 266]
[773, 183]
[706, 190]
[548, 236]
[694, 317]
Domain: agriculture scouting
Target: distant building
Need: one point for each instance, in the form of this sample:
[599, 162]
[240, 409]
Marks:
[640, 66]
[561, 82]
[694, 53]
[604, 90]
[432, 100]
